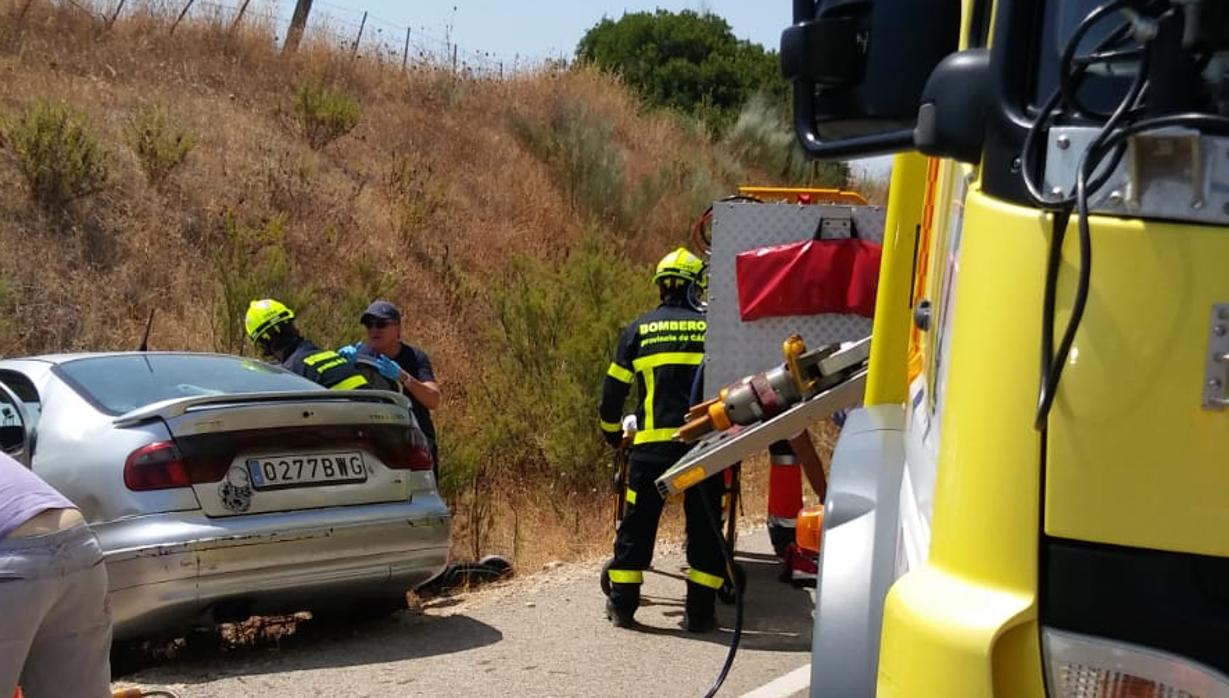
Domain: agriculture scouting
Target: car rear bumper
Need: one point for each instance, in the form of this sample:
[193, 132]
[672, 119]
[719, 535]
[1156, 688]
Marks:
[176, 569]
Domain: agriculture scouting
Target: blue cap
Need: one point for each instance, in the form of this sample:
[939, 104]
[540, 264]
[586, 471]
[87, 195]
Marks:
[381, 310]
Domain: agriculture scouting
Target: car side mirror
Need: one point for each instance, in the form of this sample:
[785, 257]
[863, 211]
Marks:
[858, 68]
[16, 432]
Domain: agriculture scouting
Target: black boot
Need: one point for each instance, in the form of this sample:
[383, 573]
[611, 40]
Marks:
[699, 623]
[618, 617]
[699, 613]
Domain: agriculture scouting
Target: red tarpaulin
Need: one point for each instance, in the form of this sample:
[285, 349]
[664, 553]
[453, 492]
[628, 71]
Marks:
[808, 278]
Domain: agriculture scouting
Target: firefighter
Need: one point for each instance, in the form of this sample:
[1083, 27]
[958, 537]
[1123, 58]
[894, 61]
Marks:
[270, 325]
[660, 352]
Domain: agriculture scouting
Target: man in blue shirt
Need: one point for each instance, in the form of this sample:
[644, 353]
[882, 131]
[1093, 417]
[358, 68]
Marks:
[382, 321]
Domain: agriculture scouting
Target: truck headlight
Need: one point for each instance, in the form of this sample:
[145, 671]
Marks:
[1082, 666]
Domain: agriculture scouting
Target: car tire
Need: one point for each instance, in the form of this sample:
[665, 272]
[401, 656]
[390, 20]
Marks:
[127, 657]
[360, 611]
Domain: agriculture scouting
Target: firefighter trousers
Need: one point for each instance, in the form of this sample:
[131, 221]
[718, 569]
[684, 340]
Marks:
[637, 534]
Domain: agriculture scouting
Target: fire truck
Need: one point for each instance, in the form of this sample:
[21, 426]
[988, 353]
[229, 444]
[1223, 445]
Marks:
[1029, 497]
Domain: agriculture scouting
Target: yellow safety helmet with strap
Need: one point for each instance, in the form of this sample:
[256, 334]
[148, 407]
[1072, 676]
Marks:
[264, 315]
[681, 264]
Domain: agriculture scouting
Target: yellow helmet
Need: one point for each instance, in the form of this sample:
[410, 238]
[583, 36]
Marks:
[681, 264]
[264, 315]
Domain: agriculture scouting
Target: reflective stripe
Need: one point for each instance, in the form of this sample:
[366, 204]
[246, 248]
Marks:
[626, 576]
[781, 521]
[630, 496]
[331, 364]
[319, 356]
[649, 436]
[711, 581]
[611, 426]
[351, 383]
[668, 358]
[644, 366]
[650, 394]
[620, 374]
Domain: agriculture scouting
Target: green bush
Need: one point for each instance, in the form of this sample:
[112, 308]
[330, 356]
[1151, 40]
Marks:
[55, 151]
[323, 113]
[762, 139]
[416, 196]
[333, 317]
[555, 329]
[159, 145]
[250, 263]
[576, 145]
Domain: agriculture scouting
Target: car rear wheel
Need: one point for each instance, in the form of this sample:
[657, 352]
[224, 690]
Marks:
[360, 611]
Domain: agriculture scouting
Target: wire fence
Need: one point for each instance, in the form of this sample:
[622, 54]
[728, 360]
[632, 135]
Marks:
[357, 31]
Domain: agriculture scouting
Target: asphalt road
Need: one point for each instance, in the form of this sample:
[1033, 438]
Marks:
[541, 635]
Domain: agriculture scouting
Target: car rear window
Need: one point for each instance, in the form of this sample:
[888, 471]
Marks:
[117, 384]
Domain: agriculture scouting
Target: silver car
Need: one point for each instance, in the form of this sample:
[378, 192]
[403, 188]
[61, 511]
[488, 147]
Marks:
[221, 486]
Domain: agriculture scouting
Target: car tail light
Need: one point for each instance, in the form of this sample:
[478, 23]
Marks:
[808, 526]
[157, 466]
[413, 457]
[1081, 666]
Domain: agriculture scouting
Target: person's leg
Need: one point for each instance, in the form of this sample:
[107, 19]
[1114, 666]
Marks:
[70, 654]
[637, 535]
[704, 557]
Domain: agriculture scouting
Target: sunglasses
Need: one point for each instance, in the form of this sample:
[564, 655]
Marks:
[378, 324]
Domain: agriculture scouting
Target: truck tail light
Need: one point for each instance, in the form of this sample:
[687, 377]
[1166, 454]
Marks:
[809, 524]
[157, 466]
[1082, 666]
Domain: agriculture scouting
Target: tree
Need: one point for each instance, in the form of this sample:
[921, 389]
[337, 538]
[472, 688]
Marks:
[685, 61]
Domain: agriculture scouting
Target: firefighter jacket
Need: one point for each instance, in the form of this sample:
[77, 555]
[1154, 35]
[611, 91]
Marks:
[324, 366]
[660, 353]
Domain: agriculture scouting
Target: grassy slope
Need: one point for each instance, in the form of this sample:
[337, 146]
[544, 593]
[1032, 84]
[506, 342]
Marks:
[472, 194]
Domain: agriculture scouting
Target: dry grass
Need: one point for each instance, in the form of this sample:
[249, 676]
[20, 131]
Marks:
[477, 197]
[538, 528]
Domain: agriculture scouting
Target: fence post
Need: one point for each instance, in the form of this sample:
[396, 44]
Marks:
[239, 17]
[405, 54]
[298, 23]
[357, 39]
[179, 19]
[454, 58]
[114, 15]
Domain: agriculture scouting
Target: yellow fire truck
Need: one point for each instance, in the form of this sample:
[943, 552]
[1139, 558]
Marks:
[1032, 498]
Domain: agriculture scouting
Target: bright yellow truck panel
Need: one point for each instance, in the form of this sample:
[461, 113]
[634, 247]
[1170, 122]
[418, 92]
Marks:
[1133, 458]
[886, 382]
[968, 615]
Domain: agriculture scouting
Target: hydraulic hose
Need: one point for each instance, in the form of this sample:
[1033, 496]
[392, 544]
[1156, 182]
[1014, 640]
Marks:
[738, 600]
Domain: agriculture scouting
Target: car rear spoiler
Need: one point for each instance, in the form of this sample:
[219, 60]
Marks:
[175, 407]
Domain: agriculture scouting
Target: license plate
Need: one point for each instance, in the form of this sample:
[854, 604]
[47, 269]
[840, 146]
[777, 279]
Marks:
[280, 472]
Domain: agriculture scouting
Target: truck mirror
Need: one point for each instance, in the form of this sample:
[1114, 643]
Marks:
[951, 120]
[858, 68]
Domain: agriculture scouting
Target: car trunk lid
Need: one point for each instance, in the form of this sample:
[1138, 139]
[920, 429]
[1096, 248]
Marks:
[274, 452]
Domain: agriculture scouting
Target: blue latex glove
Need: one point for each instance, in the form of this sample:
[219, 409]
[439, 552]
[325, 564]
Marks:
[350, 351]
[388, 368]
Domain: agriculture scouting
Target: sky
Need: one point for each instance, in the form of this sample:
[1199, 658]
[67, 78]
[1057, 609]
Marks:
[528, 32]
[547, 28]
